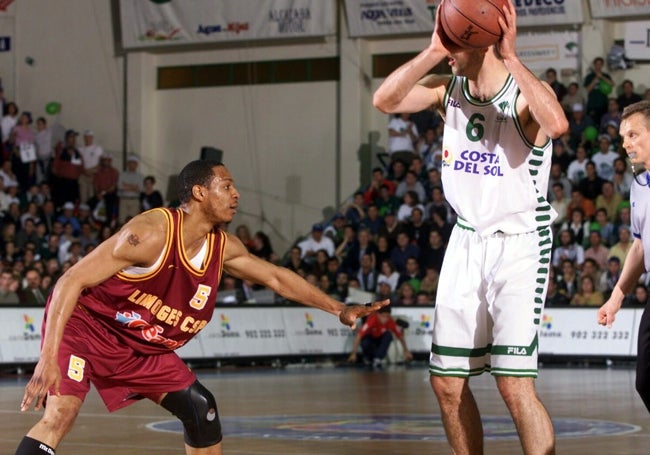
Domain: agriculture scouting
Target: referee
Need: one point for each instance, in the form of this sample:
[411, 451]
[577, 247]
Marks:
[635, 131]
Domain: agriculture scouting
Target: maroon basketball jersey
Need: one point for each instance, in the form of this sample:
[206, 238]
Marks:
[161, 308]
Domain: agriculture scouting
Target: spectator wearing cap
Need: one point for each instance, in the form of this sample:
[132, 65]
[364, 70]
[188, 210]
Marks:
[105, 186]
[66, 169]
[578, 122]
[91, 154]
[314, 242]
[605, 157]
[67, 216]
[129, 187]
[613, 114]
[335, 229]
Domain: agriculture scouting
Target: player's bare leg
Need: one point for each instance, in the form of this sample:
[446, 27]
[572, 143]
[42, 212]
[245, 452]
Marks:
[460, 415]
[212, 450]
[529, 414]
[58, 418]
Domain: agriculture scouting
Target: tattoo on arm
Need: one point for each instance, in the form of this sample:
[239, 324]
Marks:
[133, 239]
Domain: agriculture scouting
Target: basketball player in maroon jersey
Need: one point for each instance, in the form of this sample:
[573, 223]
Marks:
[115, 318]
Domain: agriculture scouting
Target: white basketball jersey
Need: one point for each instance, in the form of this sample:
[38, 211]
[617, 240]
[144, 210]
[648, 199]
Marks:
[493, 177]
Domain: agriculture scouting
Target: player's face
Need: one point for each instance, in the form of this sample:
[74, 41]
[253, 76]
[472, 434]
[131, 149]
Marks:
[222, 195]
[466, 63]
[636, 139]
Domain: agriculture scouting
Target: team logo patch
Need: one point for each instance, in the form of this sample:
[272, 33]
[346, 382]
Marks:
[447, 157]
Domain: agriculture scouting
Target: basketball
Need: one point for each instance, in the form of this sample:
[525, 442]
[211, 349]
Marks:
[472, 24]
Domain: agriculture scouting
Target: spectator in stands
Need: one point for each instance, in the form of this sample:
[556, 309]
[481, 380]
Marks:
[577, 168]
[557, 176]
[336, 228]
[44, 150]
[150, 197]
[627, 95]
[9, 120]
[360, 246]
[560, 203]
[384, 247]
[434, 180]
[587, 209]
[592, 269]
[622, 179]
[604, 157]
[48, 215]
[411, 274]
[592, 185]
[129, 187]
[24, 154]
[7, 175]
[433, 253]
[378, 179]
[623, 216]
[397, 170]
[587, 295]
[429, 282]
[611, 276]
[553, 297]
[366, 274]
[373, 221]
[596, 251]
[411, 201]
[567, 279]
[402, 135]
[387, 202]
[624, 244]
[383, 290]
[388, 274]
[67, 216]
[403, 250]
[32, 293]
[31, 213]
[609, 200]
[410, 184]
[350, 264]
[429, 148]
[375, 337]
[391, 227]
[578, 122]
[439, 221]
[598, 85]
[262, 247]
[568, 249]
[406, 295]
[26, 234]
[417, 166]
[613, 116]
[602, 224]
[243, 233]
[66, 169]
[438, 202]
[315, 242]
[295, 262]
[562, 155]
[639, 298]
[105, 187]
[558, 87]
[418, 228]
[91, 154]
[355, 210]
[8, 287]
[573, 96]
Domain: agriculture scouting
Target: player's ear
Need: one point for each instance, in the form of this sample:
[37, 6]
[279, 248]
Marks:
[198, 192]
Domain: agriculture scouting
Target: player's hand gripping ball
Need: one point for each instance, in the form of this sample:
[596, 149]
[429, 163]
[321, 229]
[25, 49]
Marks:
[472, 24]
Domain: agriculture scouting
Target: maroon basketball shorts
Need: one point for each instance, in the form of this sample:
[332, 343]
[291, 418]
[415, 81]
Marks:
[89, 353]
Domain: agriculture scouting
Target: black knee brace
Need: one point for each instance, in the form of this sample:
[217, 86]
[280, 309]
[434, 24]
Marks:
[196, 407]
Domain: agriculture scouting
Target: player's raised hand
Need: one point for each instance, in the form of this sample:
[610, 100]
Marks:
[352, 312]
[46, 375]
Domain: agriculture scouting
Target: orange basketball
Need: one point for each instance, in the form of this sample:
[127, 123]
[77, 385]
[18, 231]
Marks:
[472, 23]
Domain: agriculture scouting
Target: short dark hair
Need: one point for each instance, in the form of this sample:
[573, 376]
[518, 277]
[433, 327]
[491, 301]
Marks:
[640, 107]
[198, 172]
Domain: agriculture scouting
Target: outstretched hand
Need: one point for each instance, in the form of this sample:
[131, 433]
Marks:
[352, 312]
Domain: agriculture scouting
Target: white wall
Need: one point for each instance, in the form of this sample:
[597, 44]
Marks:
[279, 140]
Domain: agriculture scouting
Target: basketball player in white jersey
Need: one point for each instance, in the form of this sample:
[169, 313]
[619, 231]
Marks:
[635, 131]
[499, 121]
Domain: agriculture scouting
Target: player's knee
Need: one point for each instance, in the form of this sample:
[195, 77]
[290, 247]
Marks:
[59, 416]
[447, 389]
[196, 407]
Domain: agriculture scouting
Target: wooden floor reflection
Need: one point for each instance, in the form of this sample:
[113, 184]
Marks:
[582, 393]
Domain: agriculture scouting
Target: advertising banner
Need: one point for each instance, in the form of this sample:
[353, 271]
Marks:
[637, 40]
[156, 23]
[542, 50]
[619, 8]
[20, 338]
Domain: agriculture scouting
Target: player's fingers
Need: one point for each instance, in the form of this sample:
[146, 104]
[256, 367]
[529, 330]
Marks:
[610, 320]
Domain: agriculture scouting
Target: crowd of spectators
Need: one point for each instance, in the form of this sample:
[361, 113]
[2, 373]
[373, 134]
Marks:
[390, 238]
[60, 196]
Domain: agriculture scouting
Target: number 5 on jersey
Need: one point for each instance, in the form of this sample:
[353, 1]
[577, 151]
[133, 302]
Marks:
[76, 368]
[200, 297]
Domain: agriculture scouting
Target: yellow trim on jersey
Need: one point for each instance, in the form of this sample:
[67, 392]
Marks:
[168, 241]
[224, 240]
[210, 239]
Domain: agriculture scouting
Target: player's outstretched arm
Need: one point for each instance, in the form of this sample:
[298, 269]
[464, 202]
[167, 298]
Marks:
[139, 242]
[632, 270]
[239, 263]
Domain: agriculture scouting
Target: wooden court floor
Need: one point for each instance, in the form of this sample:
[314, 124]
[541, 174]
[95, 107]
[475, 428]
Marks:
[314, 400]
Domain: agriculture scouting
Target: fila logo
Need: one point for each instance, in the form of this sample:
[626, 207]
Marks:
[453, 103]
